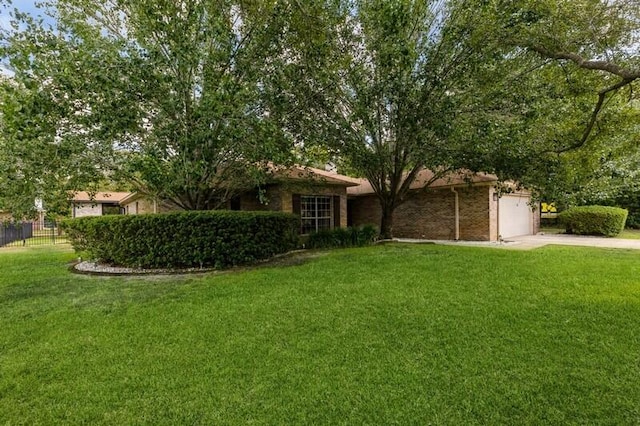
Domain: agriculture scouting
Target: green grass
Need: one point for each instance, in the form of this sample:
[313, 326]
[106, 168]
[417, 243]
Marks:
[404, 334]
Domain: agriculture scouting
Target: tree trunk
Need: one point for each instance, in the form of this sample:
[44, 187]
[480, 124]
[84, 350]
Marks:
[386, 223]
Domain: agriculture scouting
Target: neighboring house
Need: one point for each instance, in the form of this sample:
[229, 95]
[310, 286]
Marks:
[100, 204]
[137, 203]
[458, 207]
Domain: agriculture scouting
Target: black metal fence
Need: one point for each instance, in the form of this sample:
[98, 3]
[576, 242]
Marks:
[18, 234]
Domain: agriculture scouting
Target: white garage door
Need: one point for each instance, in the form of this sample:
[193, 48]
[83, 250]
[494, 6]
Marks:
[515, 217]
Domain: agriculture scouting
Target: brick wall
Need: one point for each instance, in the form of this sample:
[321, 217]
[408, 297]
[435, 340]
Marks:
[475, 213]
[427, 214]
[430, 214]
[364, 210]
[250, 201]
[280, 198]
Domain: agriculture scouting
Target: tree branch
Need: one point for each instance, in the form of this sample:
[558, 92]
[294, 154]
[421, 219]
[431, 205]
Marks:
[602, 94]
[581, 62]
[627, 76]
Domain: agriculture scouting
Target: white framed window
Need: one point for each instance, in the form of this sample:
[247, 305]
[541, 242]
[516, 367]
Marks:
[316, 212]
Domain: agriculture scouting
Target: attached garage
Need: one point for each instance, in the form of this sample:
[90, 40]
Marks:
[460, 206]
[514, 216]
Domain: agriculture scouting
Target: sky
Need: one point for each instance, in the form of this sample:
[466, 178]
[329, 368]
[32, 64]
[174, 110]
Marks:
[26, 6]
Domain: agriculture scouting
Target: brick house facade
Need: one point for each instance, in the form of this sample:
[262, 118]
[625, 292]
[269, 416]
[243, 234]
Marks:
[457, 207]
[319, 197]
[288, 198]
[430, 214]
[450, 209]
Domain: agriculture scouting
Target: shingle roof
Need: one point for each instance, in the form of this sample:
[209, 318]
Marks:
[452, 179]
[311, 173]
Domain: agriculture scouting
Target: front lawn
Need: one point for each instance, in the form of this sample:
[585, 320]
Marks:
[407, 334]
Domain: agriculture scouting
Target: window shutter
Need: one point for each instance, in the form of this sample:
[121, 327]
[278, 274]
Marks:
[296, 208]
[336, 211]
[295, 202]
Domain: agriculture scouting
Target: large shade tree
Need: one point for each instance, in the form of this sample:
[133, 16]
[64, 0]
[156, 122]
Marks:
[187, 99]
[396, 87]
[385, 87]
[583, 100]
[167, 94]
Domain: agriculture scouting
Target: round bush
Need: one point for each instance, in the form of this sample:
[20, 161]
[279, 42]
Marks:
[593, 220]
[184, 239]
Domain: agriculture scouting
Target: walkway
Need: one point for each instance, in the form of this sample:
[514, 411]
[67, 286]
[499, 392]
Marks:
[528, 242]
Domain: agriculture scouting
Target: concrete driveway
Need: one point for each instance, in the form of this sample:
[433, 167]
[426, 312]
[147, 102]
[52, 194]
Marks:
[528, 242]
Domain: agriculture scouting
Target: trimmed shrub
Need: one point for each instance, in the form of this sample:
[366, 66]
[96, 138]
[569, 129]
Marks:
[184, 239]
[343, 237]
[593, 220]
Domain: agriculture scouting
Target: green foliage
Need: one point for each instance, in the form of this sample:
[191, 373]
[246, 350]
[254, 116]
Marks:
[388, 88]
[185, 239]
[343, 237]
[633, 220]
[575, 132]
[594, 220]
[188, 101]
[169, 97]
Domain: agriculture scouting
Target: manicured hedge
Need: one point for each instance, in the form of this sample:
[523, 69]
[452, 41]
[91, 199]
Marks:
[184, 239]
[593, 220]
[342, 237]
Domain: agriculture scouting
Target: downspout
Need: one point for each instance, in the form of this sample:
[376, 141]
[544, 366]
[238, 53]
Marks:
[497, 199]
[457, 213]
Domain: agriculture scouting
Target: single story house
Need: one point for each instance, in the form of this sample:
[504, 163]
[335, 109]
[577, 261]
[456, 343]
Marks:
[460, 206]
[318, 196]
[96, 204]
